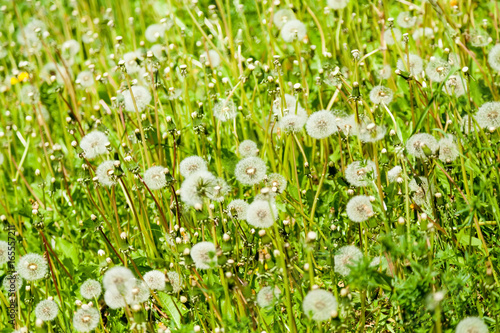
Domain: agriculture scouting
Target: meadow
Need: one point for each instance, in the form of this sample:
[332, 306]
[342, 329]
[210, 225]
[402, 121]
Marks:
[250, 166]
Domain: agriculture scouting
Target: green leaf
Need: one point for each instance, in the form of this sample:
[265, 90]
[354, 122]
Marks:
[173, 307]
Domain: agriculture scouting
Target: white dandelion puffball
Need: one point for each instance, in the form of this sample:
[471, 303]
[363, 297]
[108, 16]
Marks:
[320, 305]
[346, 256]
[293, 30]
[155, 280]
[46, 310]
[114, 299]
[155, 31]
[389, 38]
[488, 115]
[212, 58]
[448, 150]
[192, 164]
[32, 267]
[12, 283]
[250, 170]
[131, 62]
[359, 208]
[29, 94]
[104, 173]
[347, 125]
[136, 291]
[394, 173]
[406, 20]
[70, 48]
[421, 145]
[142, 98]
[321, 124]
[385, 72]
[238, 209]
[158, 51]
[196, 186]
[261, 213]
[175, 281]
[51, 69]
[218, 191]
[337, 4]
[85, 79]
[381, 94]
[86, 320]
[116, 276]
[225, 110]
[91, 289]
[471, 325]
[415, 66]
[267, 296]
[282, 16]
[154, 178]
[94, 144]
[426, 32]
[479, 38]
[4, 252]
[204, 255]
[494, 57]
[291, 104]
[454, 86]
[248, 148]
[358, 173]
[437, 69]
[293, 123]
[276, 182]
[422, 193]
[466, 123]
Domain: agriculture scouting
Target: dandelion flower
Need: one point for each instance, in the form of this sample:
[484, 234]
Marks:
[494, 57]
[85, 79]
[454, 86]
[422, 194]
[155, 280]
[175, 281]
[389, 38]
[46, 310]
[346, 256]
[321, 124]
[267, 296]
[12, 283]
[282, 16]
[448, 150]
[154, 31]
[293, 30]
[132, 60]
[368, 131]
[347, 125]
[421, 145]
[105, 172]
[293, 123]
[320, 304]
[225, 110]
[381, 94]
[154, 178]
[30, 94]
[250, 170]
[277, 182]
[337, 4]
[204, 255]
[248, 148]
[198, 185]
[94, 144]
[471, 325]
[261, 214]
[114, 299]
[137, 291]
[86, 320]
[406, 20]
[415, 65]
[90, 289]
[359, 208]
[488, 115]
[437, 69]
[213, 58]
[427, 33]
[116, 276]
[357, 173]
[385, 72]
[32, 266]
[238, 209]
[394, 173]
[192, 164]
[479, 38]
[142, 98]
[4, 252]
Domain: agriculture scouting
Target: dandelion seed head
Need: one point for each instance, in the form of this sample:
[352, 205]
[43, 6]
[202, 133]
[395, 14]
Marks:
[319, 304]
[219, 190]
[422, 194]
[4, 252]
[142, 98]
[46, 310]
[282, 16]
[131, 60]
[204, 255]
[155, 31]
[248, 148]
[389, 38]
[368, 131]
[250, 170]
[32, 267]
[94, 144]
[426, 32]
[51, 69]
[213, 58]
[90, 289]
[494, 57]
[359, 208]
[267, 296]
[12, 283]
[105, 172]
[479, 38]
[116, 276]
[488, 115]
[416, 64]
[175, 281]
[192, 164]
[358, 173]
[86, 320]
[276, 182]
[454, 86]
[85, 79]
[346, 256]
[238, 209]
[198, 185]
[137, 291]
[154, 178]
[290, 104]
[293, 123]
[225, 110]
[418, 144]
[337, 4]
[158, 51]
[261, 213]
[406, 20]
[437, 69]
[471, 325]
[347, 125]
[448, 150]
[29, 94]
[293, 30]
[114, 299]
[155, 280]
[464, 125]
[321, 124]
[70, 48]
[385, 72]
[394, 173]
[381, 94]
